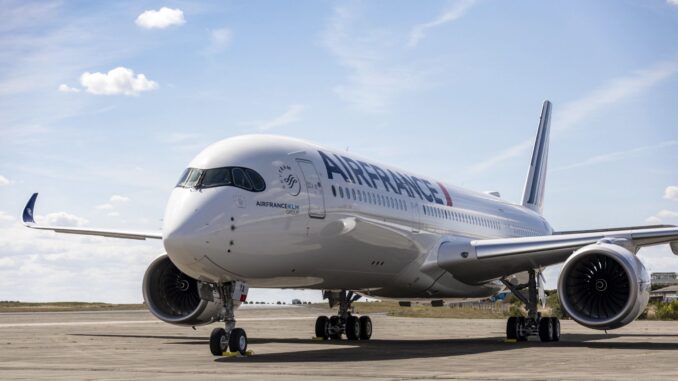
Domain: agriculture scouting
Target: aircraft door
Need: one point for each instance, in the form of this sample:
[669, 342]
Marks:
[316, 200]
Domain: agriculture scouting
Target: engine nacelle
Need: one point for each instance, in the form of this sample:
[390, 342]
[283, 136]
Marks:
[603, 286]
[174, 297]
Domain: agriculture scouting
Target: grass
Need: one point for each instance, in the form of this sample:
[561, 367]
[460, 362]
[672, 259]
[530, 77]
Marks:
[388, 307]
[14, 306]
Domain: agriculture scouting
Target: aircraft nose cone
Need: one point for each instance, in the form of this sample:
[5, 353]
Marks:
[181, 239]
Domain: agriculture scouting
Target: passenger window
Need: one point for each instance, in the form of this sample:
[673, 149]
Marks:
[341, 192]
[353, 192]
[334, 191]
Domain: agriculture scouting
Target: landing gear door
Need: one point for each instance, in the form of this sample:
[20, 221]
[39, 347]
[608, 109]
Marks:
[316, 200]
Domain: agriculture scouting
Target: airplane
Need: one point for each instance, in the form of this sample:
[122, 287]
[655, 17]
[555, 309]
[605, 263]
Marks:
[276, 212]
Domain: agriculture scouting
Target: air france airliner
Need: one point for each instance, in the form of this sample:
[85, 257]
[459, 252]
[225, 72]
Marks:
[276, 212]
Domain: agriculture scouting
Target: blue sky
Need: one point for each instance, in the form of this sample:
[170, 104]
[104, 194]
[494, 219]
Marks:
[103, 104]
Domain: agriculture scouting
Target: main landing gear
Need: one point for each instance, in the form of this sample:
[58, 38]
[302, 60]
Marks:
[520, 328]
[229, 338]
[355, 328]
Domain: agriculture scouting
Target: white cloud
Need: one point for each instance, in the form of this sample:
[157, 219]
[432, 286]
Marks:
[120, 80]
[293, 114]
[113, 214]
[654, 220]
[577, 111]
[671, 192]
[377, 76]
[51, 266]
[220, 39]
[662, 216]
[664, 213]
[456, 11]
[672, 2]
[620, 155]
[612, 92]
[104, 207]
[118, 198]
[5, 217]
[64, 88]
[62, 219]
[507, 154]
[160, 19]
[4, 181]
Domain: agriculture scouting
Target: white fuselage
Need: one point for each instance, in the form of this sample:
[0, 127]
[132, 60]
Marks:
[330, 220]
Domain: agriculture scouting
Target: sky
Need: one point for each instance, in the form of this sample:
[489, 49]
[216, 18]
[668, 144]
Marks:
[103, 104]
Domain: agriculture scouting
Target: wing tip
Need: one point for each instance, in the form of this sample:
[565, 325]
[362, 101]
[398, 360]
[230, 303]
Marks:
[27, 215]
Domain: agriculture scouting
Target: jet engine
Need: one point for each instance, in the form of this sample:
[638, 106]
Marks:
[603, 286]
[174, 297]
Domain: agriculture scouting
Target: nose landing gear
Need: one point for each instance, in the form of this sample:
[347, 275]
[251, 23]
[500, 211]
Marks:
[229, 338]
[520, 328]
[355, 328]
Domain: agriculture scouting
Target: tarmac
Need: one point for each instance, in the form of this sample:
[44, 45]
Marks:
[134, 345]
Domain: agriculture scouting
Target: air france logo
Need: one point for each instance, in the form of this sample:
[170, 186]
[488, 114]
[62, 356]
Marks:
[288, 180]
[362, 173]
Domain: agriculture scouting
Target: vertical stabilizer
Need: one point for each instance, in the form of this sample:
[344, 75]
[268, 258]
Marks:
[533, 195]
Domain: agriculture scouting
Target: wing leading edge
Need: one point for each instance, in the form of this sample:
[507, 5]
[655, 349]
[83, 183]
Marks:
[29, 221]
[484, 260]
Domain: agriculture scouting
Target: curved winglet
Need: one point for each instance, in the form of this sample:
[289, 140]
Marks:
[28, 210]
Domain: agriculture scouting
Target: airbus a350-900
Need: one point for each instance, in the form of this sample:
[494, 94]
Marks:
[270, 211]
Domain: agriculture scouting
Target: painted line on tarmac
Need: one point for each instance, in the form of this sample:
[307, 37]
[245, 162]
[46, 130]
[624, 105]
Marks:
[130, 322]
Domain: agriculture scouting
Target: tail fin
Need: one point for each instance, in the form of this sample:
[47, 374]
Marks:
[533, 195]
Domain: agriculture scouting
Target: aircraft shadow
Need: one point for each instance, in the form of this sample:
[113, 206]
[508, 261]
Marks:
[376, 350]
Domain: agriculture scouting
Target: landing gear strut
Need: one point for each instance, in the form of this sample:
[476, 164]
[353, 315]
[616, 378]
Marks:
[355, 328]
[520, 328]
[229, 338]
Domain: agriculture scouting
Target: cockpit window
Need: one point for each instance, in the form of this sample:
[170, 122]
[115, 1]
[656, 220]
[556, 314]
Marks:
[257, 181]
[217, 177]
[240, 177]
[190, 178]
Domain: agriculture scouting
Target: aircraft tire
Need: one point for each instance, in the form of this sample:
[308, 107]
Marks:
[322, 324]
[237, 342]
[335, 321]
[365, 328]
[352, 328]
[512, 328]
[218, 341]
[545, 330]
[555, 325]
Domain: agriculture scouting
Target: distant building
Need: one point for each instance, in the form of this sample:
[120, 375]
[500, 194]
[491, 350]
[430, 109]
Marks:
[664, 278]
[665, 294]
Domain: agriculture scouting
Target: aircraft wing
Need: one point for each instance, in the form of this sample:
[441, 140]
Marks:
[489, 259]
[29, 221]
